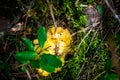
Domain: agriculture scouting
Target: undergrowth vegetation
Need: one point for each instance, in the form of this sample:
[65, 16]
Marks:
[90, 55]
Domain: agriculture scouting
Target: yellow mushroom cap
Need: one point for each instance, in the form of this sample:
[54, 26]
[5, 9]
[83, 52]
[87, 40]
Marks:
[57, 43]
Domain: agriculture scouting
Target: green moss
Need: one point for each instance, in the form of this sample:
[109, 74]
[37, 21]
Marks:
[89, 50]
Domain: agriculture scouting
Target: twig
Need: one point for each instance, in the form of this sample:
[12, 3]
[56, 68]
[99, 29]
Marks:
[28, 74]
[22, 64]
[83, 40]
[21, 75]
[99, 75]
[51, 12]
[86, 29]
[91, 27]
[117, 30]
[113, 11]
[9, 56]
[76, 3]
[93, 38]
[77, 78]
[64, 75]
[100, 45]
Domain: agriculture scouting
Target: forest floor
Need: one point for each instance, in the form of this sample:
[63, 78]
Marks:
[95, 32]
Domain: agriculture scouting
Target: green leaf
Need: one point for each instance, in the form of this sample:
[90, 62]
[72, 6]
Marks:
[28, 44]
[5, 68]
[117, 36]
[110, 76]
[2, 65]
[108, 65]
[117, 41]
[113, 76]
[35, 63]
[46, 67]
[47, 62]
[42, 36]
[51, 60]
[40, 64]
[100, 9]
[25, 56]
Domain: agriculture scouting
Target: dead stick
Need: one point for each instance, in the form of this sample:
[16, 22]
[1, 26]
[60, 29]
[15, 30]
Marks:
[51, 12]
[113, 11]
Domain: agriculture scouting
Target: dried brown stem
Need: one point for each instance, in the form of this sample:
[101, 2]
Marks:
[51, 12]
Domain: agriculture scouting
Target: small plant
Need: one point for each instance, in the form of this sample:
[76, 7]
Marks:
[109, 75]
[47, 53]
[4, 69]
[47, 62]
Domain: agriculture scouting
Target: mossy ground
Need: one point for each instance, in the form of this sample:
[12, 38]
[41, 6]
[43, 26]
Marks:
[89, 52]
